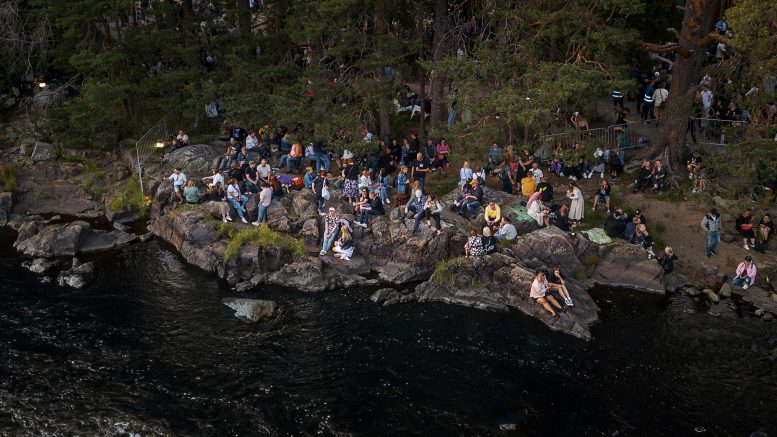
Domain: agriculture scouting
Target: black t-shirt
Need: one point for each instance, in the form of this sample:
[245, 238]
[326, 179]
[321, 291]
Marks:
[478, 193]
[695, 160]
[377, 205]
[769, 224]
[352, 172]
[236, 173]
[239, 134]
[547, 191]
[250, 173]
[420, 165]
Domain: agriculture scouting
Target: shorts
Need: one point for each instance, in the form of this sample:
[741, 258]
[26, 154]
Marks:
[177, 187]
[602, 197]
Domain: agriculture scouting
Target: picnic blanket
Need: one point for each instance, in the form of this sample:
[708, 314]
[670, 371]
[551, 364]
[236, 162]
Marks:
[598, 236]
[521, 215]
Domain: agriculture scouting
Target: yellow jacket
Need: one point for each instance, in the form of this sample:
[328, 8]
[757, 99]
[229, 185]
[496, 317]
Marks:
[493, 214]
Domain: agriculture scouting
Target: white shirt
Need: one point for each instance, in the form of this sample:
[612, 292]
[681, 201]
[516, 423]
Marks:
[537, 175]
[706, 98]
[178, 178]
[367, 137]
[183, 138]
[218, 177]
[660, 95]
[264, 171]
[364, 181]
[233, 192]
[265, 196]
[251, 142]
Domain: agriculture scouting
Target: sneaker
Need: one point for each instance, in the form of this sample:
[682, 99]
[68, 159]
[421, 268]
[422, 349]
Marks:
[346, 258]
[255, 223]
[321, 213]
[571, 304]
[745, 286]
[244, 220]
[224, 219]
[364, 225]
[228, 218]
[746, 247]
[561, 174]
[322, 253]
[388, 202]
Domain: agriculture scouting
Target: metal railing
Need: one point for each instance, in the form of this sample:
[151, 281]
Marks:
[627, 135]
[714, 131]
[156, 139]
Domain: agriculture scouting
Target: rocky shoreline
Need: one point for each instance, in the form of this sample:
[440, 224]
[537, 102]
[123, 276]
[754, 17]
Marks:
[386, 254]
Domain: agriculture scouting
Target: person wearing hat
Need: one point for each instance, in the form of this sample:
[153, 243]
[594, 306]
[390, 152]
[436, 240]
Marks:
[472, 200]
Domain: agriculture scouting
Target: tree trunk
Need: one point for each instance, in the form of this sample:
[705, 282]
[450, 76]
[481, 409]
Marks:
[669, 142]
[437, 117]
[422, 102]
[188, 8]
[244, 18]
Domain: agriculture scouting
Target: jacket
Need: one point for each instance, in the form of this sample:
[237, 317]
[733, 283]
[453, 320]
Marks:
[750, 271]
[711, 224]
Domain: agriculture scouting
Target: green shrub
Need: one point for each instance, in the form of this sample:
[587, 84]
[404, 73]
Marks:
[131, 199]
[262, 236]
[444, 270]
[8, 177]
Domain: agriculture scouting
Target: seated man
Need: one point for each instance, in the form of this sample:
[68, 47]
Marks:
[693, 163]
[528, 184]
[546, 189]
[472, 201]
[507, 231]
[292, 159]
[615, 227]
[264, 171]
[251, 177]
[375, 207]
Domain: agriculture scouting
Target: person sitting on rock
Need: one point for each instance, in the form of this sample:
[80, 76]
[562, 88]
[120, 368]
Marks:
[344, 245]
[667, 260]
[659, 177]
[364, 180]
[557, 283]
[230, 154]
[645, 175]
[182, 138]
[191, 193]
[765, 228]
[236, 173]
[415, 206]
[375, 207]
[292, 159]
[309, 177]
[507, 231]
[363, 200]
[536, 210]
[178, 178]
[465, 190]
[432, 210]
[251, 177]
[539, 292]
[528, 184]
[237, 199]
[217, 194]
[492, 215]
[744, 225]
[215, 178]
[331, 230]
[643, 238]
[472, 201]
[488, 241]
[745, 274]
[602, 195]
[562, 220]
[474, 245]
[615, 227]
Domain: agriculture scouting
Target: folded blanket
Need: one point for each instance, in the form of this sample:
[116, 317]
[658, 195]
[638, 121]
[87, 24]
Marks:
[598, 236]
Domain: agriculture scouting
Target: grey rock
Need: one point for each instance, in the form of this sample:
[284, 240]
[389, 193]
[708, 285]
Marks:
[725, 290]
[195, 159]
[64, 239]
[40, 265]
[675, 281]
[251, 310]
[728, 238]
[148, 236]
[82, 268]
[43, 152]
[242, 287]
[121, 227]
[626, 265]
[75, 281]
[310, 232]
[6, 201]
[709, 269]
[106, 241]
[552, 247]
[768, 317]
[759, 312]
[380, 296]
[691, 291]
[3, 218]
[711, 295]
[46, 280]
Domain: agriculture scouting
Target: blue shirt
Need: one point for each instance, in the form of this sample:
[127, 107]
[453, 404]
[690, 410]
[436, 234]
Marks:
[308, 179]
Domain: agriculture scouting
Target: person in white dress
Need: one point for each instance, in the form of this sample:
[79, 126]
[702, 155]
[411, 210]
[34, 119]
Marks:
[576, 207]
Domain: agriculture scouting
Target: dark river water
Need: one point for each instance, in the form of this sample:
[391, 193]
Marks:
[148, 349]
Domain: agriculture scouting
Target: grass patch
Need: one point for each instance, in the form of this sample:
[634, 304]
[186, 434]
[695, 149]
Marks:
[262, 236]
[131, 199]
[590, 261]
[445, 269]
[8, 177]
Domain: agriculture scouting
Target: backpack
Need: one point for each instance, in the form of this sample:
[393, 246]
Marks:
[297, 183]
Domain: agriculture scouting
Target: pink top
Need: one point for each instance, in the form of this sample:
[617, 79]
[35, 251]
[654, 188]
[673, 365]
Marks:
[443, 148]
[751, 271]
[538, 289]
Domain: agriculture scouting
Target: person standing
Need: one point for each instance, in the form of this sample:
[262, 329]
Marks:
[577, 203]
[420, 169]
[659, 99]
[320, 189]
[178, 178]
[712, 225]
[265, 197]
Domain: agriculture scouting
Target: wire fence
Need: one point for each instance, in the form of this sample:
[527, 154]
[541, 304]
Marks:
[154, 141]
[625, 136]
[713, 131]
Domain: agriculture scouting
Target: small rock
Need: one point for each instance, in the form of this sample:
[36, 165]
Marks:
[711, 295]
[709, 269]
[75, 281]
[768, 317]
[759, 312]
[121, 227]
[45, 280]
[774, 297]
[82, 268]
[43, 152]
[146, 237]
[40, 265]
[713, 313]
[251, 310]
[725, 290]
[690, 291]
[242, 287]
[380, 296]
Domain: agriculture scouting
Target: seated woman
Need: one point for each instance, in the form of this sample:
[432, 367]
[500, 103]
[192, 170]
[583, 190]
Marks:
[442, 150]
[557, 283]
[600, 164]
[493, 215]
[643, 238]
[474, 245]
[744, 225]
[488, 241]
[382, 185]
[538, 292]
[603, 195]
[557, 166]
[536, 210]
[364, 199]
[191, 193]
[659, 177]
[667, 260]
[216, 193]
[562, 220]
[432, 211]
[745, 274]
[645, 176]
[364, 180]
[344, 245]
[765, 228]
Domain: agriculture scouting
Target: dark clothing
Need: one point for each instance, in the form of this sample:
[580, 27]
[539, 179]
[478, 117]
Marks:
[615, 227]
[420, 165]
[236, 173]
[667, 262]
[489, 244]
[377, 205]
[547, 191]
[563, 223]
[645, 175]
[478, 192]
[352, 172]
[745, 226]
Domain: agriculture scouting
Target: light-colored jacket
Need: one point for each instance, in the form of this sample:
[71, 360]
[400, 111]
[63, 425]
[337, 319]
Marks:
[751, 271]
[711, 224]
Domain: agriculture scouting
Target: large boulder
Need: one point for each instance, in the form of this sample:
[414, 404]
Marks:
[310, 232]
[44, 152]
[63, 239]
[194, 160]
[251, 310]
[552, 247]
[499, 282]
[627, 265]
[104, 242]
[6, 201]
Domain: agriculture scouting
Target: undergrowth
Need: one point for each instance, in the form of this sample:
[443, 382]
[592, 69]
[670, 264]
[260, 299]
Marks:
[131, 199]
[8, 177]
[445, 269]
[262, 236]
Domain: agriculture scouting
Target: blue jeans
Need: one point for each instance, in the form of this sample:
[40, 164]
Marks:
[239, 206]
[329, 241]
[225, 163]
[320, 158]
[321, 201]
[365, 215]
[384, 192]
[451, 118]
[261, 213]
[740, 281]
[420, 216]
[290, 162]
[471, 207]
[250, 186]
[713, 239]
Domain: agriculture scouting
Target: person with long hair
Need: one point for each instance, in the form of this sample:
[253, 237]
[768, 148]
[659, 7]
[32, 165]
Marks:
[577, 205]
[603, 195]
[556, 282]
[343, 247]
[539, 292]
